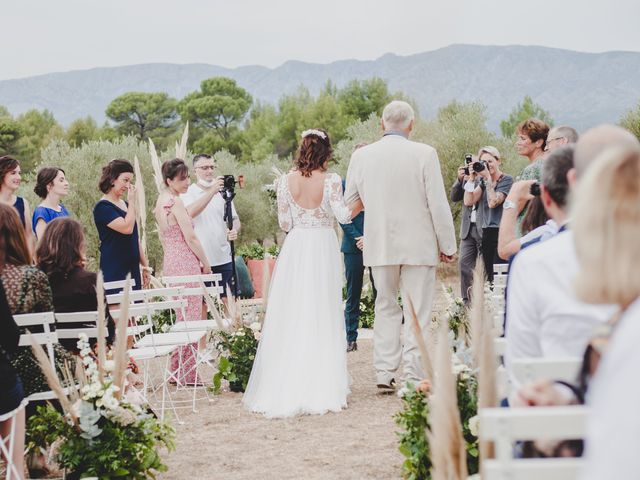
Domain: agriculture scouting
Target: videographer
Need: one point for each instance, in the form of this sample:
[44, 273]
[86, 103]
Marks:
[487, 189]
[206, 206]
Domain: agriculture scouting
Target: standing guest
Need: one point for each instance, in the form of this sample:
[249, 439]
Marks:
[409, 228]
[51, 187]
[115, 219]
[531, 143]
[27, 290]
[206, 207]
[351, 248]
[470, 235]
[10, 180]
[559, 136]
[488, 195]
[11, 391]
[61, 255]
[606, 236]
[183, 255]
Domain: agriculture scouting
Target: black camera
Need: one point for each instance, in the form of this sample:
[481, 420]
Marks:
[479, 166]
[534, 189]
[229, 182]
[468, 159]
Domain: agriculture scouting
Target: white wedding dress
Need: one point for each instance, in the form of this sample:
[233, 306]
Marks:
[301, 363]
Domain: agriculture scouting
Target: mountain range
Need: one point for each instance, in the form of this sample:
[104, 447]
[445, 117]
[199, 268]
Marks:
[579, 89]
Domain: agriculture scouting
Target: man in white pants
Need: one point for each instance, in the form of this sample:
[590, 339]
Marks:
[409, 227]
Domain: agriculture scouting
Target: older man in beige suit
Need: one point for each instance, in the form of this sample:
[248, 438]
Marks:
[408, 229]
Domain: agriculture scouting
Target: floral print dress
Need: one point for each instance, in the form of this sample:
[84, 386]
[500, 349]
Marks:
[28, 291]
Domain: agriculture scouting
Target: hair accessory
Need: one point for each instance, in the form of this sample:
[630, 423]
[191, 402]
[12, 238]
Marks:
[313, 131]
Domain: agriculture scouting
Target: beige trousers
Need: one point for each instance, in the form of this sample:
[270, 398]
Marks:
[416, 282]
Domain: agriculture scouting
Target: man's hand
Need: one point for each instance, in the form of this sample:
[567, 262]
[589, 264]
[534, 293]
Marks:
[461, 174]
[360, 243]
[519, 193]
[447, 258]
[218, 184]
[232, 234]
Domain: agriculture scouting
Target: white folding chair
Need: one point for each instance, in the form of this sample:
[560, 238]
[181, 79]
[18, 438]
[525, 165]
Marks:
[505, 426]
[7, 444]
[47, 338]
[86, 322]
[529, 369]
[500, 269]
[119, 284]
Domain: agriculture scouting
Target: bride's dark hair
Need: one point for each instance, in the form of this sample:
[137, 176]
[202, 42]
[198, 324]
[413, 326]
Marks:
[314, 153]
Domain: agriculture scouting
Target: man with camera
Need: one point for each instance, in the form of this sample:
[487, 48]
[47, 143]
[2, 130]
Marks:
[206, 205]
[470, 232]
[487, 195]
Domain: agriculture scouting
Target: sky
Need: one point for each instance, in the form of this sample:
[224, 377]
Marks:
[55, 36]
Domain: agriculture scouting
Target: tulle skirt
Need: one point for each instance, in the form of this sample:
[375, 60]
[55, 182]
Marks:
[301, 363]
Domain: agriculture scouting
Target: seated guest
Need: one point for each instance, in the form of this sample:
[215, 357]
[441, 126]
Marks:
[544, 318]
[11, 392]
[61, 255]
[51, 187]
[606, 236]
[27, 290]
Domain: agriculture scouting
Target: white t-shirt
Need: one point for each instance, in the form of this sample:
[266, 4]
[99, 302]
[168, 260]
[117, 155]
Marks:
[210, 227]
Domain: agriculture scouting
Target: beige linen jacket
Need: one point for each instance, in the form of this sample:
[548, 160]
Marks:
[408, 220]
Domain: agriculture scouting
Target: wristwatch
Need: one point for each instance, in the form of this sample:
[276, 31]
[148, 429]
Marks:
[508, 204]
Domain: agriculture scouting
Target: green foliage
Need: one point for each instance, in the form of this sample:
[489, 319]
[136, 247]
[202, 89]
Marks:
[237, 353]
[359, 99]
[219, 107]
[119, 452]
[255, 251]
[145, 115]
[38, 129]
[523, 111]
[413, 420]
[631, 120]
[10, 133]
[367, 307]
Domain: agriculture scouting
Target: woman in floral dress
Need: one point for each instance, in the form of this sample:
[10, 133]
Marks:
[183, 255]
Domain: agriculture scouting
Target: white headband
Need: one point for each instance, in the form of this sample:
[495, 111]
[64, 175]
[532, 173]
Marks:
[313, 131]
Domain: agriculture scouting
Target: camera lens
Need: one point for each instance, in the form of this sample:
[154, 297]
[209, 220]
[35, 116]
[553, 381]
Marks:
[468, 158]
[478, 167]
[466, 170]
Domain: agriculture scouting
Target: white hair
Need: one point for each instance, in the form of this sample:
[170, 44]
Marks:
[397, 115]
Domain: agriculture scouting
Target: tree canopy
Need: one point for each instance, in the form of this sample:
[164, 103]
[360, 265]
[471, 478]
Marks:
[523, 111]
[143, 114]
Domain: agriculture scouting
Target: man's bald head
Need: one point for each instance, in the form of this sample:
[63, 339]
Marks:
[598, 139]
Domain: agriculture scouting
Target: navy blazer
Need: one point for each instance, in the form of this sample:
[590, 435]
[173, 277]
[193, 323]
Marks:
[352, 231]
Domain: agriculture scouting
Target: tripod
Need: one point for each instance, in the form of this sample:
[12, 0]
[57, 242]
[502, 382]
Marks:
[228, 194]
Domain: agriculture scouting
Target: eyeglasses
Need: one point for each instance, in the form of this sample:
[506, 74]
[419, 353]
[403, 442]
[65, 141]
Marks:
[207, 167]
[549, 140]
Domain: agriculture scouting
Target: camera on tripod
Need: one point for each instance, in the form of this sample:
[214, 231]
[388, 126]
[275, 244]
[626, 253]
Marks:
[475, 166]
[229, 182]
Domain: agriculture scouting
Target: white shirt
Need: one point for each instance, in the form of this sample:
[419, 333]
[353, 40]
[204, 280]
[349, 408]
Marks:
[544, 317]
[210, 227]
[614, 422]
[545, 232]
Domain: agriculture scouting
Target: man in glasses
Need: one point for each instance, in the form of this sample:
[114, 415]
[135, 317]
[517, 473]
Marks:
[559, 136]
[206, 207]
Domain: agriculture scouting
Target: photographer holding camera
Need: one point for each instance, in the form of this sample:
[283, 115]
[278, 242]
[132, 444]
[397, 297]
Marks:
[486, 190]
[206, 205]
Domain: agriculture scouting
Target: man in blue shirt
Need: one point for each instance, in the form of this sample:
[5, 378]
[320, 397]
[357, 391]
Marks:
[352, 245]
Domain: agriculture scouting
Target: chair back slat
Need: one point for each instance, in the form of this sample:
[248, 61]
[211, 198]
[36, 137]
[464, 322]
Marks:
[530, 369]
[148, 295]
[30, 319]
[183, 279]
[118, 284]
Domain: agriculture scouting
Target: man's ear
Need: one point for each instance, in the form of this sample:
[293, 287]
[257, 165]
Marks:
[546, 199]
[382, 125]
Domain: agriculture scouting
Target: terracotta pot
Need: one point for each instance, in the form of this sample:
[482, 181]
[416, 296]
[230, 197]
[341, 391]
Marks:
[255, 270]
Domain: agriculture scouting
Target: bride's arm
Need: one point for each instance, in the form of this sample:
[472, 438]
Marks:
[342, 213]
[356, 207]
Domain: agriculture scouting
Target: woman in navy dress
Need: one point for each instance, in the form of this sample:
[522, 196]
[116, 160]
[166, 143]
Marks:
[51, 187]
[10, 180]
[120, 250]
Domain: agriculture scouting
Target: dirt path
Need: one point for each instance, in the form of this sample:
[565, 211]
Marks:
[223, 441]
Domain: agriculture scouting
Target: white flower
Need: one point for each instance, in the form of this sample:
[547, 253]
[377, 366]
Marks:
[460, 368]
[255, 326]
[257, 335]
[474, 423]
[313, 131]
[240, 333]
[109, 365]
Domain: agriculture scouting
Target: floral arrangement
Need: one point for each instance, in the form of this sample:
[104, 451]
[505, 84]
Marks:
[237, 353]
[456, 314]
[103, 432]
[367, 307]
[414, 420]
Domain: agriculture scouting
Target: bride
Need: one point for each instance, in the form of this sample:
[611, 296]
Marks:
[301, 364]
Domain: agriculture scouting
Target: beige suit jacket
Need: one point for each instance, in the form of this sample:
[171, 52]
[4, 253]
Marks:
[408, 220]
